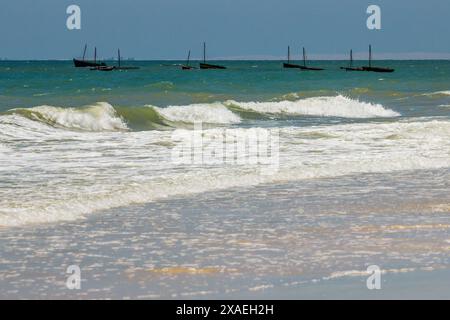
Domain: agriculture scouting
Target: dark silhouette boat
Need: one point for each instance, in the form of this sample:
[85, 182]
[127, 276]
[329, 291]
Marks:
[351, 67]
[306, 68]
[86, 63]
[205, 65]
[111, 68]
[288, 64]
[187, 66]
[370, 68]
[119, 63]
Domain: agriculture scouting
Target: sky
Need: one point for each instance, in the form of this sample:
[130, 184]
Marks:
[233, 29]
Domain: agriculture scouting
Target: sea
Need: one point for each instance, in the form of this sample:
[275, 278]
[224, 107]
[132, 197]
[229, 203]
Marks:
[357, 175]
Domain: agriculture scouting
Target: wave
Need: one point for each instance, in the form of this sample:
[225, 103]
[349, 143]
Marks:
[99, 117]
[438, 93]
[104, 117]
[157, 118]
[212, 113]
[337, 106]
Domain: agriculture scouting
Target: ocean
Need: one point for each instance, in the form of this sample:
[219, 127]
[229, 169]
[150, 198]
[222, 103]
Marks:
[360, 177]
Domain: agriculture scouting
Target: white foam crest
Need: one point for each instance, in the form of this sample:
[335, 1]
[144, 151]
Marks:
[99, 117]
[438, 93]
[214, 113]
[337, 106]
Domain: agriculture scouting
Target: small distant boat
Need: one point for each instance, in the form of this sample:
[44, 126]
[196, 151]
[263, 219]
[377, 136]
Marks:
[187, 66]
[85, 63]
[351, 67]
[375, 69]
[205, 65]
[119, 65]
[304, 67]
[288, 64]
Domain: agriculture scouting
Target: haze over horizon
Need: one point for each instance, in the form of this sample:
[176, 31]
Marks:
[248, 29]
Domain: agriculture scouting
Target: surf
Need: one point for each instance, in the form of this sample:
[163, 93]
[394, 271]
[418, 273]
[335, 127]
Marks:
[98, 117]
[50, 173]
[102, 116]
[327, 106]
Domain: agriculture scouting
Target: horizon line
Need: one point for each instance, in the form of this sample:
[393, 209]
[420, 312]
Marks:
[357, 56]
[223, 59]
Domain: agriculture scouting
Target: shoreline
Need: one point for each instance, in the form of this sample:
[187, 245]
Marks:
[261, 242]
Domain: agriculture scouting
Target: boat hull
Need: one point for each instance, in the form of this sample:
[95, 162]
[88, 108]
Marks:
[378, 69]
[210, 66]
[310, 69]
[291, 66]
[87, 64]
[352, 69]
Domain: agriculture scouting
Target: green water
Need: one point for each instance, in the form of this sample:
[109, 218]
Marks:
[29, 84]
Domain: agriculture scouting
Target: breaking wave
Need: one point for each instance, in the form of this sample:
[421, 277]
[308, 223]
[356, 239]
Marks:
[104, 117]
[438, 93]
[337, 106]
[99, 117]
[213, 113]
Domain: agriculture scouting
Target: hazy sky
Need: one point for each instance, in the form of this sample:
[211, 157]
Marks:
[166, 29]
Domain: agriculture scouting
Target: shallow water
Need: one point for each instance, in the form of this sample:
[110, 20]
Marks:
[267, 241]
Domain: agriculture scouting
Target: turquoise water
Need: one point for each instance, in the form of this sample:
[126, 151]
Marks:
[358, 174]
[28, 84]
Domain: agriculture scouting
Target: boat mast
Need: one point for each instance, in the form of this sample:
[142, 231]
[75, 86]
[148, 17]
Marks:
[118, 56]
[95, 55]
[370, 55]
[289, 54]
[84, 52]
[204, 52]
[304, 57]
[189, 58]
[351, 58]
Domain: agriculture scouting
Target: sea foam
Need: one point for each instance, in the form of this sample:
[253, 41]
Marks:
[328, 106]
[213, 113]
[103, 116]
[71, 174]
[99, 117]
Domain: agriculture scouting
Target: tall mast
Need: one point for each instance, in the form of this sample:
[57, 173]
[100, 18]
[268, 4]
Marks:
[304, 57]
[370, 55]
[118, 56]
[95, 54]
[84, 52]
[189, 58]
[204, 52]
[351, 58]
[289, 54]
